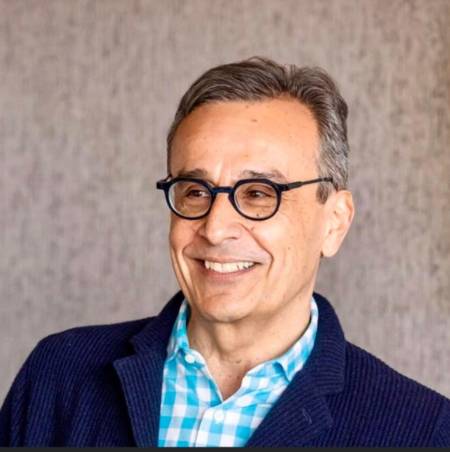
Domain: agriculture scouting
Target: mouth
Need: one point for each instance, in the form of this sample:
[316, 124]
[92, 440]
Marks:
[225, 271]
[228, 267]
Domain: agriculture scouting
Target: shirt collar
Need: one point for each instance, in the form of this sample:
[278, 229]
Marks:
[179, 338]
[289, 362]
[295, 357]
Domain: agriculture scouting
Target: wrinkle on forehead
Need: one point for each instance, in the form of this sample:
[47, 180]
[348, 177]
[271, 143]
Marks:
[224, 139]
[272, 174]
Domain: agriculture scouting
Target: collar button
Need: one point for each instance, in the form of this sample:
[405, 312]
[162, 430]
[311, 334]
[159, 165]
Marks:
[189, 358]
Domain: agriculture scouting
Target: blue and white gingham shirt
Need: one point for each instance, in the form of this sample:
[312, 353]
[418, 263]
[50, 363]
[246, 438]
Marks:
[193, 412]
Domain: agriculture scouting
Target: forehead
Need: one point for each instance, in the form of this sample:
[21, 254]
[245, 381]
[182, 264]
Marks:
[277, 135]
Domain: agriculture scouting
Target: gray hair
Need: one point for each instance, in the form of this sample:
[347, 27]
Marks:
[257, 79]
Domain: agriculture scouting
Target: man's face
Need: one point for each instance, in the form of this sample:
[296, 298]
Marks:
[222, 143]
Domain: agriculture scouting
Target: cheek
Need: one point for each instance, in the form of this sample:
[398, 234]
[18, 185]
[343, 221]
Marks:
[283, 239]
[290, 240]
[180, 234]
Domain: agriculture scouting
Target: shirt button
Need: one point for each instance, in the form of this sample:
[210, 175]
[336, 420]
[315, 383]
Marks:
[189, 358]
[219, 416]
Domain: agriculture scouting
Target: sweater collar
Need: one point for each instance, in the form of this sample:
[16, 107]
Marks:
[301, 412]
[326, 362]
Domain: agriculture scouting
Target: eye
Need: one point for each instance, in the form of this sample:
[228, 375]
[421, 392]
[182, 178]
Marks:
[186, 195]
[257, 194]
[196, 193]
[257, 191]
[190, 190]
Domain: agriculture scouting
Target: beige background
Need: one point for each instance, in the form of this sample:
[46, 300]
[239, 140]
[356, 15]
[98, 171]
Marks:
[87, 92]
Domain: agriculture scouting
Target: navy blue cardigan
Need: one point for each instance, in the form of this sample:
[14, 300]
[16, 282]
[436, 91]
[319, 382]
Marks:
[101, 386]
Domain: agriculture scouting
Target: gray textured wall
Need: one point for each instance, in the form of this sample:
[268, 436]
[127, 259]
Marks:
[87, 90]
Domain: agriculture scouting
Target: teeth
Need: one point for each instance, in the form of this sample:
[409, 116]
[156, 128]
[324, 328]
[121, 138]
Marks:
[228, 267]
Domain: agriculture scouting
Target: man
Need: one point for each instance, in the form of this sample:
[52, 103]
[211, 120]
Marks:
[246, 353]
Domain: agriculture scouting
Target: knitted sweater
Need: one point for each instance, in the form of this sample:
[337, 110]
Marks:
[101, 386]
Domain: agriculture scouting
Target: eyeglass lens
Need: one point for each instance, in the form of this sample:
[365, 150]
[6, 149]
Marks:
[253, 199]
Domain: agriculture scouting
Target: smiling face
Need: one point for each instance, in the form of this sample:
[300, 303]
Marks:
[223, 143]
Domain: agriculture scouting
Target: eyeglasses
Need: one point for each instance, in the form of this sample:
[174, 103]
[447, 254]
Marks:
[255, 199]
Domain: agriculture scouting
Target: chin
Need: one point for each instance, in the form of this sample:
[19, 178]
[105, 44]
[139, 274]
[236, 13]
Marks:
[220, 309]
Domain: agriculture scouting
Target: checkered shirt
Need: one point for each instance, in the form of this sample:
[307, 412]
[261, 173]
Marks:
[193, 412]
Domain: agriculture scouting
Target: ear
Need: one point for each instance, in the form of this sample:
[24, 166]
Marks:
[339, 211]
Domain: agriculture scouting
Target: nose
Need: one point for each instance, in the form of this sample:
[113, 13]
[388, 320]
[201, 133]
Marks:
[222, 222]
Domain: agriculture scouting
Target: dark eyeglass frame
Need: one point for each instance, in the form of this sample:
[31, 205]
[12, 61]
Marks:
[165, 185]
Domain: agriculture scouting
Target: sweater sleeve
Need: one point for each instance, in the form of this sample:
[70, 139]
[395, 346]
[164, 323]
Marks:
[28, 413]
[14, 409]
[441, 436]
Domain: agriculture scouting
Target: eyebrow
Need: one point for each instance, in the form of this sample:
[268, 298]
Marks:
[197, 172]
[271, 174]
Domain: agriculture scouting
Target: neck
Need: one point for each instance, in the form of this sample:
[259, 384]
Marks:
[232, 349]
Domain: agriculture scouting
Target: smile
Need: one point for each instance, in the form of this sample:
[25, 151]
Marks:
[227, 267]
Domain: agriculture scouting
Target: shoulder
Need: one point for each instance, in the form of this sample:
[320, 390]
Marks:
[372, 374]
[400, 406]
[68, 375]
[88, 353]
[85, 347]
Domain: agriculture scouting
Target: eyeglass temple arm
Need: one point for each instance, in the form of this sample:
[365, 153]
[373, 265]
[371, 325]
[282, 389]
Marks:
[161, 184]
[285, 187]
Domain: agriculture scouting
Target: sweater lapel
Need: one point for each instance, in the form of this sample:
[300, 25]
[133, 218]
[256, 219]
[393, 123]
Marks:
[141, 374]
[298, 417]
[302, 414]
[141, 378]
